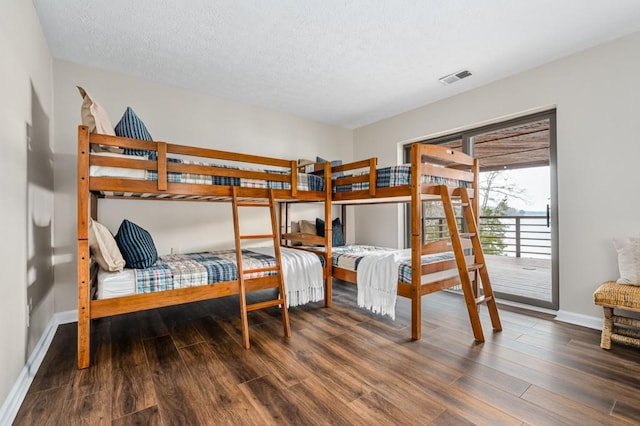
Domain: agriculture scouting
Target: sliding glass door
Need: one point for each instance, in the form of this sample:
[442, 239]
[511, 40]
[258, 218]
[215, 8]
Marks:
[518, 200]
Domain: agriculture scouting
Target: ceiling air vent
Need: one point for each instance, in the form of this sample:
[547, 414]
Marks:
[456, 76]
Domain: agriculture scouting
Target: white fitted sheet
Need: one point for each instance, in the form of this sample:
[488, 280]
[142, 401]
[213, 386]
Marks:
[116, 284]
[117, 172]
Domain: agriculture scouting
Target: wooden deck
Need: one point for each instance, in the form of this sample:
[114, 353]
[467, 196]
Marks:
[521, 276]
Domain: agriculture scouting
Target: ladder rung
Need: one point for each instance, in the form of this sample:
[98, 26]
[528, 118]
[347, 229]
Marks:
[483, 299]
[266, 304]
[253, 205]
[256, 237]
[257, 270]
[475, 267]
[467, 234]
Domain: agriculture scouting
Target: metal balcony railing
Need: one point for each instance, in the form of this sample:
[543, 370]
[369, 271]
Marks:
[515, 236]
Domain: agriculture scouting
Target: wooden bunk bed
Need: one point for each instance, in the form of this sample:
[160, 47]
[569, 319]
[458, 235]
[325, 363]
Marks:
[435, 174]
[163, 186]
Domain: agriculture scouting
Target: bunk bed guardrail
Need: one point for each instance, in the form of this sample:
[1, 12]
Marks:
[284, 178]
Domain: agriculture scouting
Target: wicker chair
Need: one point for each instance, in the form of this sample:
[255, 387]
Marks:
[619, 328]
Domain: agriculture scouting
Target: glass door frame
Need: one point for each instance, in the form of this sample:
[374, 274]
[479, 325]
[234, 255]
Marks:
[466, 138]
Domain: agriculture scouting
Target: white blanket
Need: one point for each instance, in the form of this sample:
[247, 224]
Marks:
[378, 281]
[302, 272]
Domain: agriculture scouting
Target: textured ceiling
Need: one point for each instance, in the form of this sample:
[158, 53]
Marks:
[346, 63]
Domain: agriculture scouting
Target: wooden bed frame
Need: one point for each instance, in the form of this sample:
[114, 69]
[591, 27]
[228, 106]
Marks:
[431, 160]
[90, 189]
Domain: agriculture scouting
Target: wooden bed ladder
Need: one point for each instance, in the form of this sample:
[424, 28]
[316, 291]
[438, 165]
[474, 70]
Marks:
[472, 299]
[281, 300]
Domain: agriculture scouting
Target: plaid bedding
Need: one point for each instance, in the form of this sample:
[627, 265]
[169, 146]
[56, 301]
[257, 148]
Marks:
[398, 176]
[404, 270]
[349, 257]
[306, 182]
[188, 270]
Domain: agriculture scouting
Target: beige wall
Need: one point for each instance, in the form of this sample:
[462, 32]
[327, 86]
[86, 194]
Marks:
[180, 117]
[596, 94]
[25, 101]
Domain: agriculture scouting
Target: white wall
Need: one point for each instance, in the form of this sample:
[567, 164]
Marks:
[25, 100]
[175, 116]
[597, 96]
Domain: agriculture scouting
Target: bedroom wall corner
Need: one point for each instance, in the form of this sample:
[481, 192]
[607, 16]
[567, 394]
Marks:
[26, 115]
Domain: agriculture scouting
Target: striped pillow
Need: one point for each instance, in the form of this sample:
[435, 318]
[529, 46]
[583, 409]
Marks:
[334, 163]
[337, 237]
[130, 126]
[136, 246]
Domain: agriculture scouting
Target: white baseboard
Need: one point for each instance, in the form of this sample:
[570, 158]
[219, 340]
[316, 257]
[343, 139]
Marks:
[19, 390]
[67, 316]
[579, 319]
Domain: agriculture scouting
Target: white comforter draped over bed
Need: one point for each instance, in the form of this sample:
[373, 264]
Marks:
[302, 273]
[378, 281]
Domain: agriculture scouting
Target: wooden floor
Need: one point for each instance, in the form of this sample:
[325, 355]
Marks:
[185, 366]
[521, 276]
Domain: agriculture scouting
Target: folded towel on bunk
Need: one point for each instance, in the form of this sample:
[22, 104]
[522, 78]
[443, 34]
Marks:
[378, 281]
[302, 273]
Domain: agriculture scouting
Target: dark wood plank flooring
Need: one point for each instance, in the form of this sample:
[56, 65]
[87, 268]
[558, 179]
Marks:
[185, 365]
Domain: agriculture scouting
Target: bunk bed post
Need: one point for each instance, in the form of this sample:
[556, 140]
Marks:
[94, 206]
[161, 149]
[328, 237]
[283, 214]
[83, 259]
[475, 206]
[476, 189]
[416, 244]
[294, 179]
[373, 176]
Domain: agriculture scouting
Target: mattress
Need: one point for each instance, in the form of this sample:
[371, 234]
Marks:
[349, 257]
[398, 176]
[116, 284]
[117, 172]
[187, 270]
[302, 270]
[180, 271]
[305, 182]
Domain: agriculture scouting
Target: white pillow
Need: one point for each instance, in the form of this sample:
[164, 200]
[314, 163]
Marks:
[94, 116]
[104, 248]
[97, 120]
[628, 260]
[308, 227]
